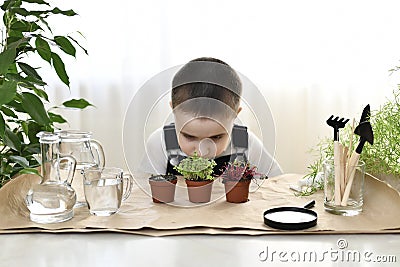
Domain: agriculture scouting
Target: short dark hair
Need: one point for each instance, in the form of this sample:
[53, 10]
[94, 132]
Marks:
[207, 77]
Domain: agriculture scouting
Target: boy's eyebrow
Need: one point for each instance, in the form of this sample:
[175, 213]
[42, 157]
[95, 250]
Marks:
[182, 132]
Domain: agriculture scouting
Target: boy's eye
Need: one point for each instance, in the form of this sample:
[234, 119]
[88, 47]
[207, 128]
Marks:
[217, 137]
[189, 137]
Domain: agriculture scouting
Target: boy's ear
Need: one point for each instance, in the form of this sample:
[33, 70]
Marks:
[238, 111]
[170, 104]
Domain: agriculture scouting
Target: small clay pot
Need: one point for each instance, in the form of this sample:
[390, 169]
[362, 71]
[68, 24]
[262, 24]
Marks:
[237, 191]
[199, 191]
[163, 188]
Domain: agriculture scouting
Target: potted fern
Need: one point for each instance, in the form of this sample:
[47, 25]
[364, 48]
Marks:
[163, 187]
[26, 33]
[198, 174]
[236, 177]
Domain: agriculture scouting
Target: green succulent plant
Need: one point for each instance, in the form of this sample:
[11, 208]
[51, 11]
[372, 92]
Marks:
[196, 168]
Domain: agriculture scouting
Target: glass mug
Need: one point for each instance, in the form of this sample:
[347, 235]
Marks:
[87, 152]
[105, 188]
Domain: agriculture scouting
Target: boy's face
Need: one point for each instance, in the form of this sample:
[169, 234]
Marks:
[206, 136]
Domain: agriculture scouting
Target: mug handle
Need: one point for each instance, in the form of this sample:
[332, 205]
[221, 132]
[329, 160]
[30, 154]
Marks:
[71, 166]
[128, 185]
[100, 156]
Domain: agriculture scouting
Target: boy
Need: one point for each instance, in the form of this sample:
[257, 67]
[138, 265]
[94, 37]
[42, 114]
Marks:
[205, 99]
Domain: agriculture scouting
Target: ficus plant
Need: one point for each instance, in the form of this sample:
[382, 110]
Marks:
[25, 32]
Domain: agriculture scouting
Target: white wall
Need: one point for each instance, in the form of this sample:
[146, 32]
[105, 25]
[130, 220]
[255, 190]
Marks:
[310, 59]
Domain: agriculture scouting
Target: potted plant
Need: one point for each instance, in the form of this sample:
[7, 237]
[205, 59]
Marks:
[198, 174]
[381, 159]
[236, 177]
[163, 187]
[26, 35]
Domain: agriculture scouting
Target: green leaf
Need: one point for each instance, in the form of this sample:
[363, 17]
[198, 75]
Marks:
[7, 57]
[7, 92]
[60, 68]
[42, 20]
[8, 112]
[57, 118]
[75, 41]
[25, 127]
[29, 80]
[43, 49]
[11, 140]
[14, 37]
[7, 4]
[34, 107]
[41, 93]
[2, 126]
[24, 26]
[63, 12]
[65, 45]
[19, 25]
[20, 160]
[30, 149]
[21, 11]
[29, 171]
[16, 106]
[12, 68]
[77, 103]
[41, 2]
[33, 129]
[25, 82]
[28, 70]
[15, 77]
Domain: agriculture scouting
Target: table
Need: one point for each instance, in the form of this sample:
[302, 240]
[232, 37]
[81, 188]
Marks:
[105, 248]
[118, 249]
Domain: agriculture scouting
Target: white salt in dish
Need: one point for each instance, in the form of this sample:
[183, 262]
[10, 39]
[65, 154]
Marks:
[291, 218]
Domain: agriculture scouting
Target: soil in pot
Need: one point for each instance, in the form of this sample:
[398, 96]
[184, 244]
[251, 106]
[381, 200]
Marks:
[237, 192]
[199, 191]
[162, 190]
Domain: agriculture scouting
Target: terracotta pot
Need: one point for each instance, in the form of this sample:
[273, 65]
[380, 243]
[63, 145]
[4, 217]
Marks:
[163, 191]
[199, 191]
[237, 192]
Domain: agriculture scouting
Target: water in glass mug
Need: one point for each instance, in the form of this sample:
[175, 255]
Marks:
[103, 195]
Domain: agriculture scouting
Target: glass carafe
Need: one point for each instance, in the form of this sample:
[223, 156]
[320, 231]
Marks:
[87, 152]
[53, 199]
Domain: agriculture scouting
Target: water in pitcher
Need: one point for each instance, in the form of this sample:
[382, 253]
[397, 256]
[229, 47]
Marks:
[53, 199]
[103, 195]
[87, 152]
[49, 203]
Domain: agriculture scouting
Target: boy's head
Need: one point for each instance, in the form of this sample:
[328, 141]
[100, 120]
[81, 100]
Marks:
[206, 99]
[206, 77]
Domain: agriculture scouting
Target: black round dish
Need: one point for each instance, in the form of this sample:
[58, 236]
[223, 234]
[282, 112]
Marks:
[296, 218]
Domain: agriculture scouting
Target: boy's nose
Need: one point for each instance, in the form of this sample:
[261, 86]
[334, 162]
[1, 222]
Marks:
[207, 148]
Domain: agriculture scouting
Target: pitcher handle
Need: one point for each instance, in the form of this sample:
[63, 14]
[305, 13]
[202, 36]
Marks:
[100, 156]
[71, 166]
[127, 185]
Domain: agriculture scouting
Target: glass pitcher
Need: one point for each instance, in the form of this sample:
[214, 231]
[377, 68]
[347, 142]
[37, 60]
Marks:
[53, 199]
[87, 152]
